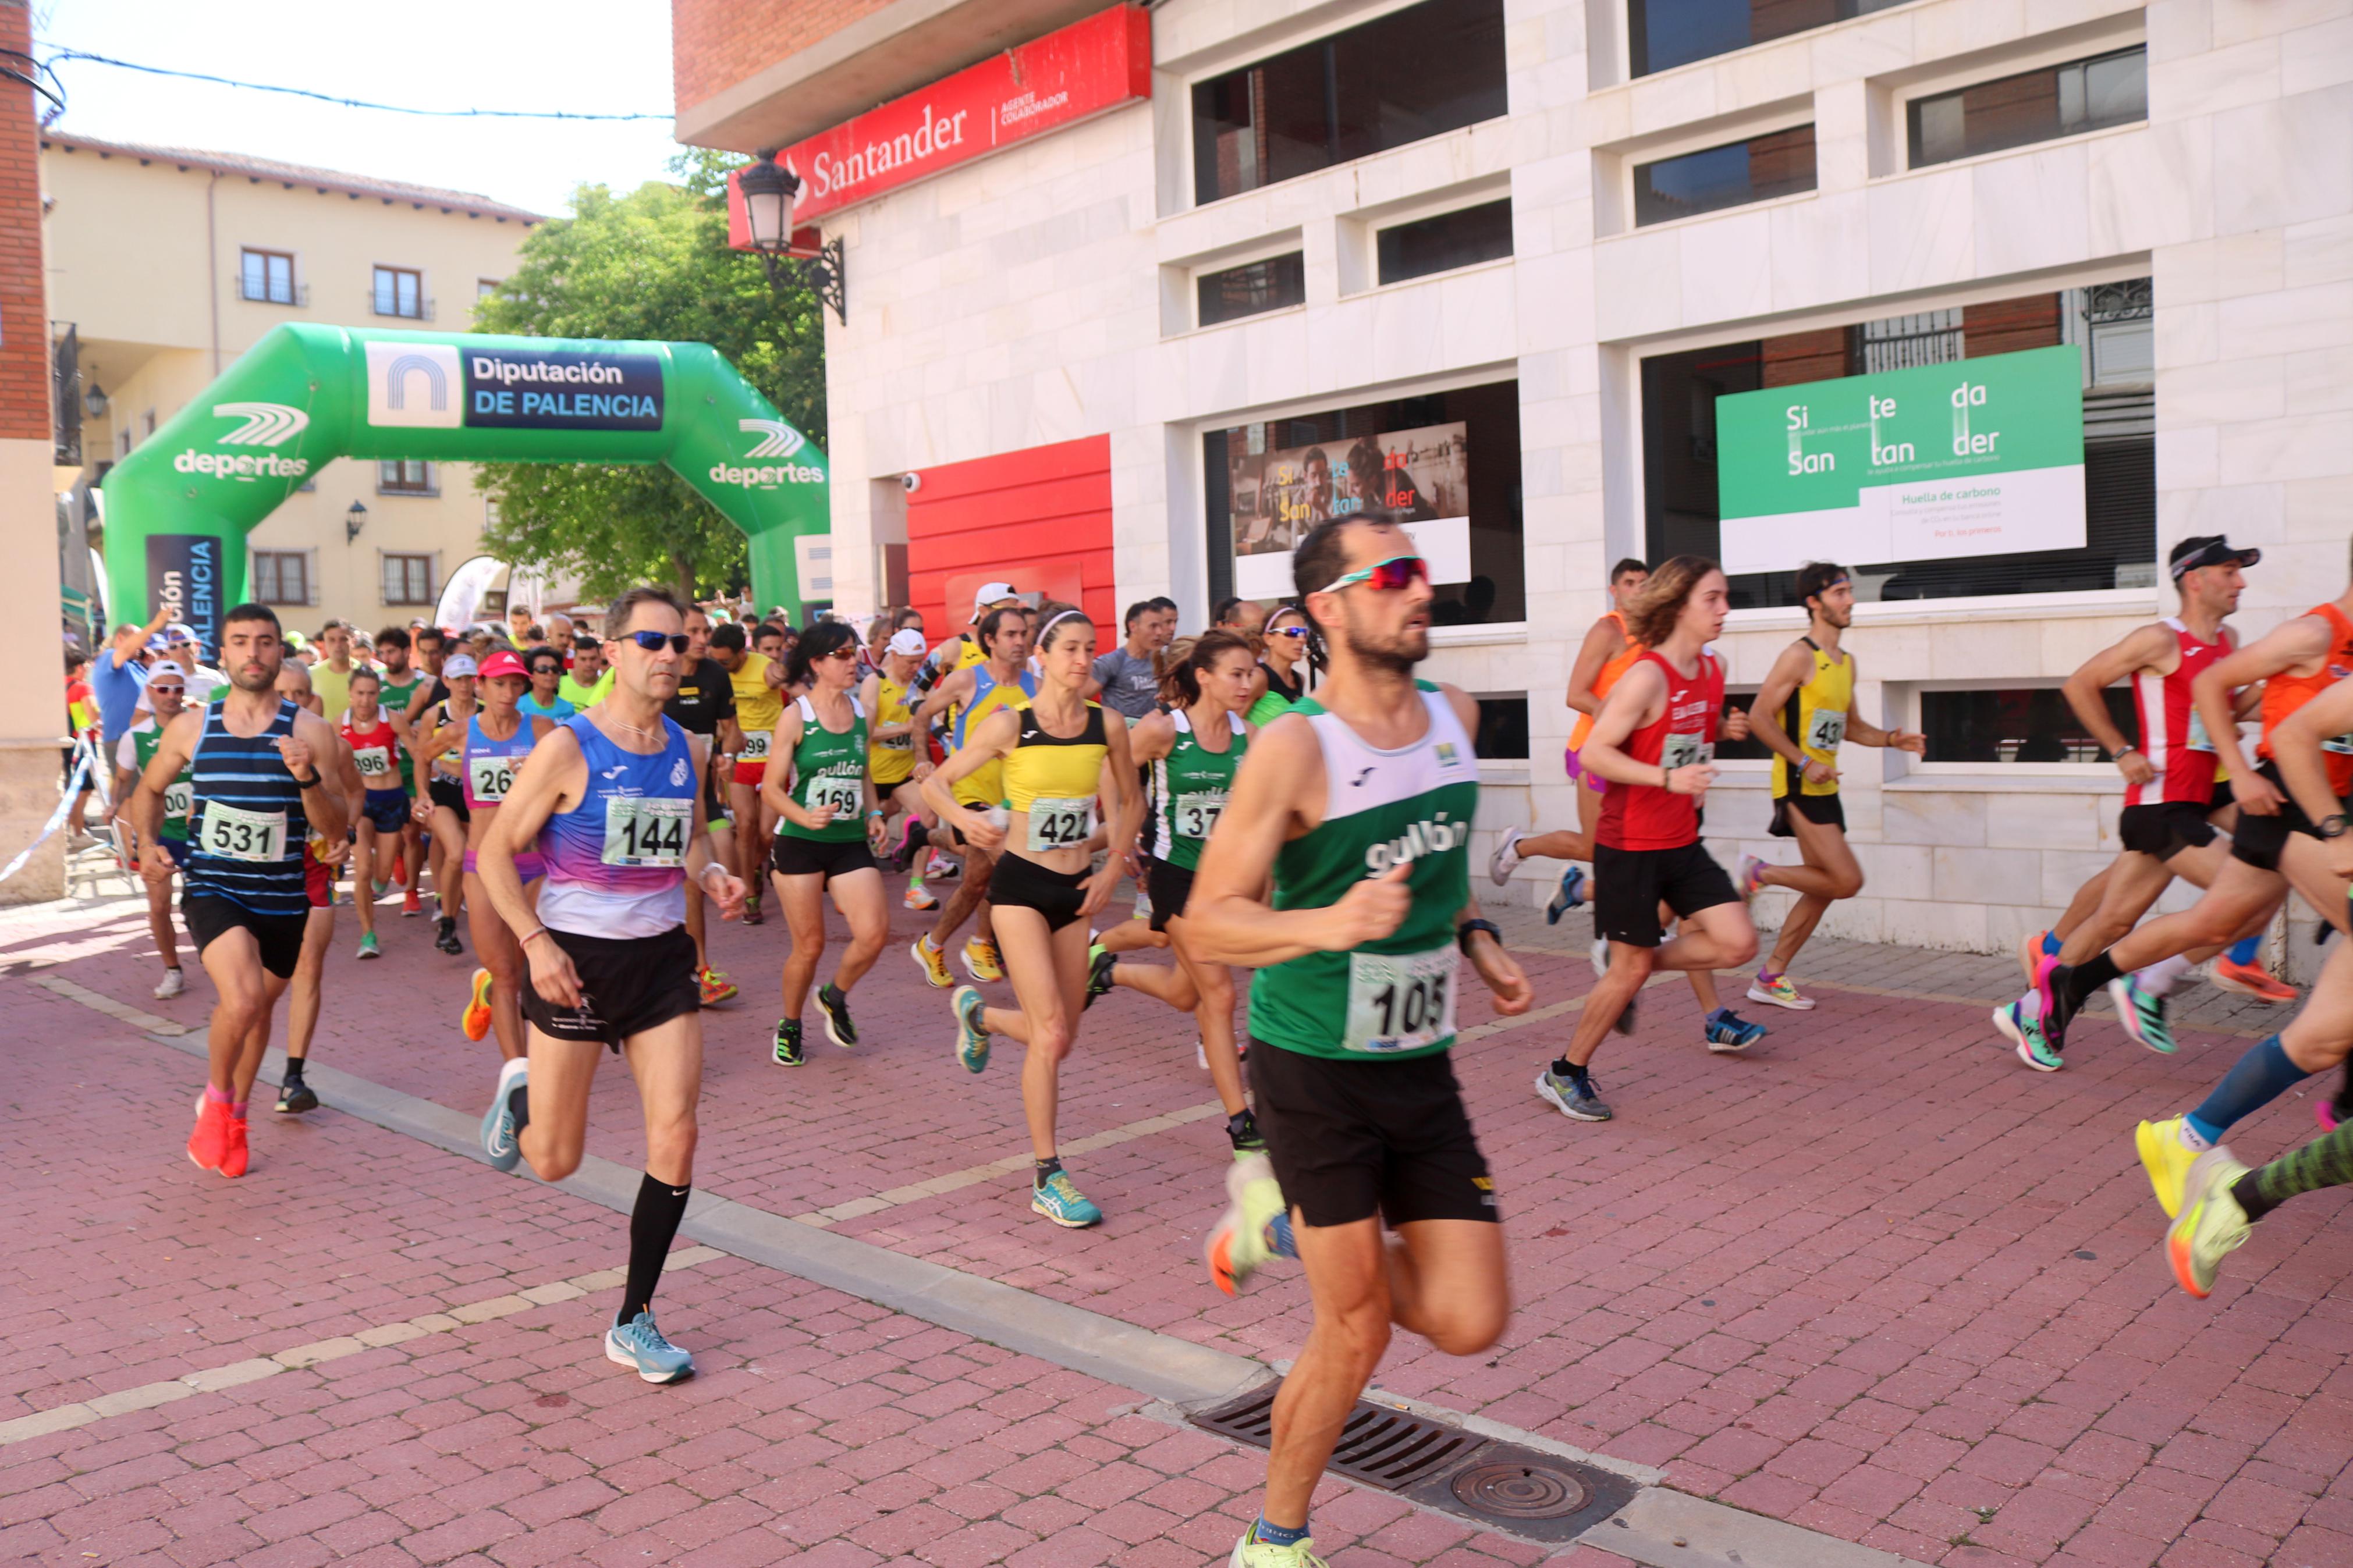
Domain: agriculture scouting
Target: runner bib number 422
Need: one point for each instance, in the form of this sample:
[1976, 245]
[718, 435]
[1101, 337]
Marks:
[234, 835]
[641, 831]
[1400, 1002]
[1060, 824]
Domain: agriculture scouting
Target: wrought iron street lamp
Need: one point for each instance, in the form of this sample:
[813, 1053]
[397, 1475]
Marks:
[353, 520]
[769, 190]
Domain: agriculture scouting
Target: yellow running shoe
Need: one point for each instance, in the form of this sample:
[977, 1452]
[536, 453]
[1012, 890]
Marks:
[931, 960]
[1238, 1242]
[2166, 1158]
[1249, 1554]
[981, 960]
[476, 1019]
[2211, 1226]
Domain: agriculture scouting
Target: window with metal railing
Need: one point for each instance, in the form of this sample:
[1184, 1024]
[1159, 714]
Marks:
[281, 577]
[266, 276]
[400, 291]
[405, 477]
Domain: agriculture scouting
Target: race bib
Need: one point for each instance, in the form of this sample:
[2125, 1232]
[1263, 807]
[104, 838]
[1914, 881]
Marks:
[844, 793]
[1825, 730]
[1400, 1002]
[756, 747]
[2340, 744]
[375, 764]
[1197, 813]
[1683, 750]
[641, 831]
[490, 777]
[898, 743]
[1060, 824]
[179, 798]
[233, 835]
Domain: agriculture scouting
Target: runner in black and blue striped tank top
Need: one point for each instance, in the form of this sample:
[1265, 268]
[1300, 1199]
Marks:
[247, 827]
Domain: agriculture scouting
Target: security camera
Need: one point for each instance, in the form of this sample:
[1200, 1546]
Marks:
[910, 483]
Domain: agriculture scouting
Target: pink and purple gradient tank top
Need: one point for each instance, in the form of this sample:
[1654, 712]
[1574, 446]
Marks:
[617, 862]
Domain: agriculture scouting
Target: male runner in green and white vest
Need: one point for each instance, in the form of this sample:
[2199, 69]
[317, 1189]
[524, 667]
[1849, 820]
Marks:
[167, 684]
[1361, 800]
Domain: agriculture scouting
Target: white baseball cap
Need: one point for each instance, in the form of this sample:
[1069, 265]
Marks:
[455, 665]
[166, 666]
[905, 640]
[989, 594]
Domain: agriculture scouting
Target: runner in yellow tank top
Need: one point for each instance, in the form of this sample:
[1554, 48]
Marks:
[974, 692]
[894, 756]
[1802, 712]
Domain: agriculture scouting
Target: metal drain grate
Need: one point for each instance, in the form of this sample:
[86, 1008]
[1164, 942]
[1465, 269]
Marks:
[1430, 1462]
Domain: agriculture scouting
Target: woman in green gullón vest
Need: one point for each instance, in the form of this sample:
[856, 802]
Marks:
[828, 824]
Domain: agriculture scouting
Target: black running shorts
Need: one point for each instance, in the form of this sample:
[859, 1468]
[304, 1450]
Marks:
[2165, 828]
[1351, 1139]
[1632, 883]
[280, 937]
[628, 986]
[1824, 810]
[449, 793]
[1021, 883]
[1172, 889]
[790, 856]
[2258, 840]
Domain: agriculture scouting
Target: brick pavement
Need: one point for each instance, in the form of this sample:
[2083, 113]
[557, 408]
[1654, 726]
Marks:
[1875, 1279]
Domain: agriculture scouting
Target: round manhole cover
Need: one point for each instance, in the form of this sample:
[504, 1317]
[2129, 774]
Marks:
[1517, 1489]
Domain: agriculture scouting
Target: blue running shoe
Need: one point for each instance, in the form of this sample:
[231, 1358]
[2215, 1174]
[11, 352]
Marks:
[2142, 1014]
[497, 1123]
[2018, 1026]
[1728, 1033]
[972, 1034]
[637, 1344]
[1572, 1098]
[1060, 1200]
[1568, 895]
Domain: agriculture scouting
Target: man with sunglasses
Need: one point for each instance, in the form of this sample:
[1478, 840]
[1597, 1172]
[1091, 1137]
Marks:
[167, 688]
[613, 803]
[1360, 800]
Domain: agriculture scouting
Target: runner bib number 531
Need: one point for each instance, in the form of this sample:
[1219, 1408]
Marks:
[234, 835]
[1060, 824]
[640, 832]
[1400, 1002]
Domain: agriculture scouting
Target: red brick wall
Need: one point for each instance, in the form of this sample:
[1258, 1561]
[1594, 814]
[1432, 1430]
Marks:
[1795, 358]
[1039, 519]
[23, 310]
[714, 44]
[2006, 326]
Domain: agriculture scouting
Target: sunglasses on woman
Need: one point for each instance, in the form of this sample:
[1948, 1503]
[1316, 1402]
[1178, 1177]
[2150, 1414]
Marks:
[845, 651]
[1288, 632]
[1386, 576]
[652, 642]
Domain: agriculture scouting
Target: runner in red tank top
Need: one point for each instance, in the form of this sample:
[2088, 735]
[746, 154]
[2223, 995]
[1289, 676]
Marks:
[367, 729]
[2274, 845]
[1654, 741]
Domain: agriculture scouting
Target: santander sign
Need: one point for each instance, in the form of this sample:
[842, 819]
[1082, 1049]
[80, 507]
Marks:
[1065, 77]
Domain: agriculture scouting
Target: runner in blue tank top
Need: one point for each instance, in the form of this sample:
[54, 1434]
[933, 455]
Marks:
[259, 790]
[612, 802]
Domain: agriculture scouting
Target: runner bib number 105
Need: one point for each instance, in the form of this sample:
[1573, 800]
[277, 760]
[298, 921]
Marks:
[641, 831]
[234, 835]
[1400, 1002]
[1060, 824]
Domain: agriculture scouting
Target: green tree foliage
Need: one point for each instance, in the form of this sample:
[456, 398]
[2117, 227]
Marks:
[651, 264]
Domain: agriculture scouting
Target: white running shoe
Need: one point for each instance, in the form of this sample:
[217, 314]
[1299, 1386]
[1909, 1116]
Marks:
[1506, 857]
[171, 985]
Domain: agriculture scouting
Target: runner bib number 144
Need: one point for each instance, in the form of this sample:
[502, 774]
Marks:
[641, 831]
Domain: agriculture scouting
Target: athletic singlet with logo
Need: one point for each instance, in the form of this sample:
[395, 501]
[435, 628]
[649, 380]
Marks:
[758, 707]
[893, 762]
[375, 751]
[1054, 779]
[249, 827]
[1394, 997]
[488, 770]
[1643, 816]
[437, 718]
[617, 861]
[179, 795]
[984, 785]
[1190, 786]
[1602, 682]
[1815, 718]
[830, 769]
[2284, 694]
[2172, 737]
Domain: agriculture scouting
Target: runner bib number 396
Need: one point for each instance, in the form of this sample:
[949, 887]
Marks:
[492, 777]
[1198, 814]
[1060, 824]
[372, 761]
[234, 835]
[640, 832]
[1401, 1001]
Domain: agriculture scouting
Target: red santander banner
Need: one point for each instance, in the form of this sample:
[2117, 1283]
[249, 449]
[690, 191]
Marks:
[1044, 85]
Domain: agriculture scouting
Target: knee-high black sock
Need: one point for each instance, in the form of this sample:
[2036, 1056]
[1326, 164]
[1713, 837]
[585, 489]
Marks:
[2081, 984]
[653, 1225]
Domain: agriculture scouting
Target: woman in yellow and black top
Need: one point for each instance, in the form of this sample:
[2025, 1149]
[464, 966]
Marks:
[1058, 759]
[893, 754]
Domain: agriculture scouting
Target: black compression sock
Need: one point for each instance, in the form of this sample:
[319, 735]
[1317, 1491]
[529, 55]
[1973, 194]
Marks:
[2083, 982]
[293, 1073]
[2250, 1194]
[519, 1107]
[1046, 1168]
[653, 1225]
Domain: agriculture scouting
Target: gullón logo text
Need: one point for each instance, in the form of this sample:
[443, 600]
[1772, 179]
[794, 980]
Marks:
[1432, 835]
[265, 425]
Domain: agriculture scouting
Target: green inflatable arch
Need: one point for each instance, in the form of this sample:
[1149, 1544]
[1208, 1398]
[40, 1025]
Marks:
[178, 508]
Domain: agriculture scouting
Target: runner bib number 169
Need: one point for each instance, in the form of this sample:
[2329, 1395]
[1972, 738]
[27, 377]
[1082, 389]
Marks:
[843, 792]
[1400, 1002]
[642, 832]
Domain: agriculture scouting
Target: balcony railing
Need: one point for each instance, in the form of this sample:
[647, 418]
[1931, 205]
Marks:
[406, 309]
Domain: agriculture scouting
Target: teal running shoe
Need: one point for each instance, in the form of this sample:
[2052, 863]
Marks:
[1060, 1200]
[2023, 1029]
[499, 1132]
[368, 948]
[639, 1344]
[2142, 1014]
[1568, 895]
[972, 1034]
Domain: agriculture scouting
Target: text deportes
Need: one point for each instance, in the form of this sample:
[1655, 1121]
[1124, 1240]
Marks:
[769, 474]
[241, 465]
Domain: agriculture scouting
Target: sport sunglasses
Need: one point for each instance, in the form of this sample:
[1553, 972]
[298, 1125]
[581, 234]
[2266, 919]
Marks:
[1288, 632]
[652, 642]
[1386, 576]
